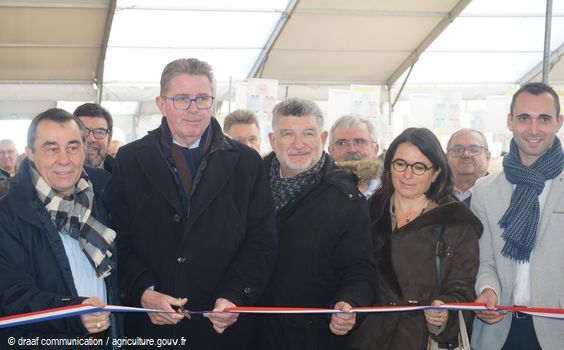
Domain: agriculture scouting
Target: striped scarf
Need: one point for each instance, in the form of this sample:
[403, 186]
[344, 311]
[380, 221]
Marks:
[73, 216]
[520, 221]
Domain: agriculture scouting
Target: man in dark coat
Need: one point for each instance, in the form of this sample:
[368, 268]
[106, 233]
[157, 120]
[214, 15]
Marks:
[194, 217]
[468, 157]
[324, 242]
[99, 125]
[55, 249]
[8, 155]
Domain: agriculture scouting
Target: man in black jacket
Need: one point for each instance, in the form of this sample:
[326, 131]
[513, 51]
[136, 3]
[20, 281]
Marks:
[194, 217]
[99, 125]
[55, 249]
[324, 241]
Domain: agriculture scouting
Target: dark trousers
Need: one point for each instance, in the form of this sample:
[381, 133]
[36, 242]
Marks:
[522, 334]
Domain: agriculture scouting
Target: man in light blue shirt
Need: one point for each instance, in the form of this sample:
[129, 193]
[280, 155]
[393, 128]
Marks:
[55, 247]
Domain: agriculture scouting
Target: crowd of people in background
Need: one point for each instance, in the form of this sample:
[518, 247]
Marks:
[192, 217]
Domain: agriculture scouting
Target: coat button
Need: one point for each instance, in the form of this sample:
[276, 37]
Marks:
[181, 260]
[176, 218]
[247, 290]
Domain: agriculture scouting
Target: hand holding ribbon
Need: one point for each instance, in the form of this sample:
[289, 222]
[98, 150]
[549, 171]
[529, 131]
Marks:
[342, 323]
[222, 320]
[159, 301]
[491, 315]
[436, 317]
[98, 321]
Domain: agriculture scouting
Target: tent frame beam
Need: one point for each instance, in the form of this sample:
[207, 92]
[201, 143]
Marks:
[416, 53]
[536, 70]
[59, 5]
[99, 79]
[258, 66]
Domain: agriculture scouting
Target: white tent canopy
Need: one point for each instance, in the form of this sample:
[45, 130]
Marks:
[85, 50]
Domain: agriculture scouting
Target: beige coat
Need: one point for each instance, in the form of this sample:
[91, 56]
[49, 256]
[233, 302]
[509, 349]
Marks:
[490, 199]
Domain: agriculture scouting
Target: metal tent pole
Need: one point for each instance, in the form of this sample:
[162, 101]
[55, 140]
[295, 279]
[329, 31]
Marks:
[547, 30]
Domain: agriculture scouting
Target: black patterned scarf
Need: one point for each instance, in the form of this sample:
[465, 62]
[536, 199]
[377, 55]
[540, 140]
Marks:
[520, 221]
[285, 190]
[73, 216]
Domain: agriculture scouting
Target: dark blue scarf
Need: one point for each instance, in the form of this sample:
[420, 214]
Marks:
[185, 161]
[521, 219]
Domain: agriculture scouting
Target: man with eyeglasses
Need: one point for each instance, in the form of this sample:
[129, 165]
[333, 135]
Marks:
[195, 220]
[98, 124]
[325, 256]
[8, 155]
[243, 126]
[352, 139]
[468, 158]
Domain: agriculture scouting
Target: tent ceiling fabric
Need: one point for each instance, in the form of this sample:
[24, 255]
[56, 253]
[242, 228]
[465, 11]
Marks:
[229, 38]
[351, 42]
[492, 42]
[51, 50]
[42, 41]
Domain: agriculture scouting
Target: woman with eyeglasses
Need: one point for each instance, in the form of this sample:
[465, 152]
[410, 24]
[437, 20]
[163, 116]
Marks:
[425, 245]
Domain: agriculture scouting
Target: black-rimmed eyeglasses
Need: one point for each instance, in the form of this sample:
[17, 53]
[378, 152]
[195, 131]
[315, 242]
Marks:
[417, 168]
[183, 103]
[98, 133]
[473, 150]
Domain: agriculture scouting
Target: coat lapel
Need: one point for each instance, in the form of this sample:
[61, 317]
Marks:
[216, 174]
[551, 205]
[28, 208]
[160, 173]
[32, 212]
[502, 198]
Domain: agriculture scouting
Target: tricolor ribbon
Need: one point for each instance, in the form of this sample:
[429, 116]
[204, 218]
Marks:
[82, 309]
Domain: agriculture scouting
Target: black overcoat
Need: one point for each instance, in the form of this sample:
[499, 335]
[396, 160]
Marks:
[222, 245]
[325, 256]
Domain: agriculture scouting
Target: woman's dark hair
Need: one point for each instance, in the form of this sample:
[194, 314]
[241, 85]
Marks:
[429, 145]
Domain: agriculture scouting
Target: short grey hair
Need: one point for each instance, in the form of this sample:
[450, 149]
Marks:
[297, 107]
[350, 120]
[8, 142]
[240, 116]
[190, 66]
[468, 131]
